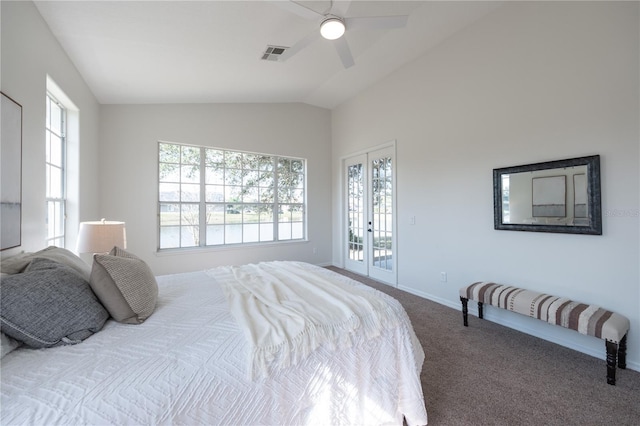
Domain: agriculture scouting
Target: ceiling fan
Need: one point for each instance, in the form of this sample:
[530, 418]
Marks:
[333, 26]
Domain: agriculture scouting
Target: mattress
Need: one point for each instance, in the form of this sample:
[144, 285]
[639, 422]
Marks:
[187, 364]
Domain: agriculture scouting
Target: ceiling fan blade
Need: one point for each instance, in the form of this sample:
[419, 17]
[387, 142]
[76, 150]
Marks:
[376, 22]
[340, 7]
[342, 47]
[297, 9]
[307, 40]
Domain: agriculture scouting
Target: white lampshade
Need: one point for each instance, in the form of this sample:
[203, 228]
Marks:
[332, 28]
[100, 236]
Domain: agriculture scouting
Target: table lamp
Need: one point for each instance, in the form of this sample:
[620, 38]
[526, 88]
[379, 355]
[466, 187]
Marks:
[100, 236]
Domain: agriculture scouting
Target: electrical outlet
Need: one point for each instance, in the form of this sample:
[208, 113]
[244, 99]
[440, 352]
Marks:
[443, 277]
[315, 250]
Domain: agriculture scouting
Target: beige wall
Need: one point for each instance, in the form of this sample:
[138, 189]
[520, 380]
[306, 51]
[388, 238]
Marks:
[530, 82]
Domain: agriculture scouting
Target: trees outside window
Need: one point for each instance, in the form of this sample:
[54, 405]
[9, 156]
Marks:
[214, 197]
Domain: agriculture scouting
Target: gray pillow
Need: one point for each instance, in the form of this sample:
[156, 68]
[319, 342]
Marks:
[7, 344]
[18, 263]
[125, 285]
[49, 305]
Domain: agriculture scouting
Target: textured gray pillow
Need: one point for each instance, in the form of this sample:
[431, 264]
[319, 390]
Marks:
[48, 305]
[7, 344]
[18, 263]
[125, 285]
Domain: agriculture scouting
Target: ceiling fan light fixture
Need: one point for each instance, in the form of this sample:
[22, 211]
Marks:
[332, 28]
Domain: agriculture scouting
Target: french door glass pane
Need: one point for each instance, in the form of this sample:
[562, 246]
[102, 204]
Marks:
[356, 208]
[382, 213]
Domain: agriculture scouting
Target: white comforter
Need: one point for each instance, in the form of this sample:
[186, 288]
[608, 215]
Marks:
[187, 364]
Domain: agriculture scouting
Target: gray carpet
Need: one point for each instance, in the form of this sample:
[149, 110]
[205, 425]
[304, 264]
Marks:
[487, 374]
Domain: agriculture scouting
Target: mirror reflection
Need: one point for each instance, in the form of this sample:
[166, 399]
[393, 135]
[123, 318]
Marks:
[555, 196]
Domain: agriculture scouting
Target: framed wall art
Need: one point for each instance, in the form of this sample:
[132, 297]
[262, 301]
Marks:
[549, 196]
[11, 174]
[580, 196]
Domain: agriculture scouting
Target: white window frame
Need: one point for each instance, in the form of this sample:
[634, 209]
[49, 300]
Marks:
[55, 191]
[220, 206]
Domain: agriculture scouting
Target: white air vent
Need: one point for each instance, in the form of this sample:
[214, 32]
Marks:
[273, 53]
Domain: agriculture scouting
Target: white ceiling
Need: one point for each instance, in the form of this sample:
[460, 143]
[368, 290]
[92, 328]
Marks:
[140, 52]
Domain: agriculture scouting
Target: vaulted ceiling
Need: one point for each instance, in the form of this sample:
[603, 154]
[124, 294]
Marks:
[140, 52]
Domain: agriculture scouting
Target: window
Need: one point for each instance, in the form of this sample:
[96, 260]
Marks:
[214, 197]
[55, 171]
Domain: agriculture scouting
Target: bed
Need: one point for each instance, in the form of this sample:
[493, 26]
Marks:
[190, 362]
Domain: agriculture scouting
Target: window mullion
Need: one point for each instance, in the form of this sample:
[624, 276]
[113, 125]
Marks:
[203, 205]
[63, 142]
[276, 203]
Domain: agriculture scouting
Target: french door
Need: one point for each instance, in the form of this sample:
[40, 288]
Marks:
[369, 240]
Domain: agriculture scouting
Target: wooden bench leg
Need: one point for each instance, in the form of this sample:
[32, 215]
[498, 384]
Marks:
[622, 352]
[612, 355]
[465, 311]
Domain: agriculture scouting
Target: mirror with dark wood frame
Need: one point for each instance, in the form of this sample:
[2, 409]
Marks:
[554, 196]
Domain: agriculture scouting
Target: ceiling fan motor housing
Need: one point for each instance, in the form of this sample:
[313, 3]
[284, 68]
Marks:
[332, 28]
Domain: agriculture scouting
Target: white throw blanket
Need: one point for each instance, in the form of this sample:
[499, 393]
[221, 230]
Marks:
[289, 309]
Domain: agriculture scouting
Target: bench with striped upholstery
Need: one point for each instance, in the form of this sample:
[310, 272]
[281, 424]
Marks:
[583, 318]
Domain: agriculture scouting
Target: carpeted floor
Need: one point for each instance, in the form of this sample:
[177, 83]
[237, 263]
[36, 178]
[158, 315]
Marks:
[487, 374]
